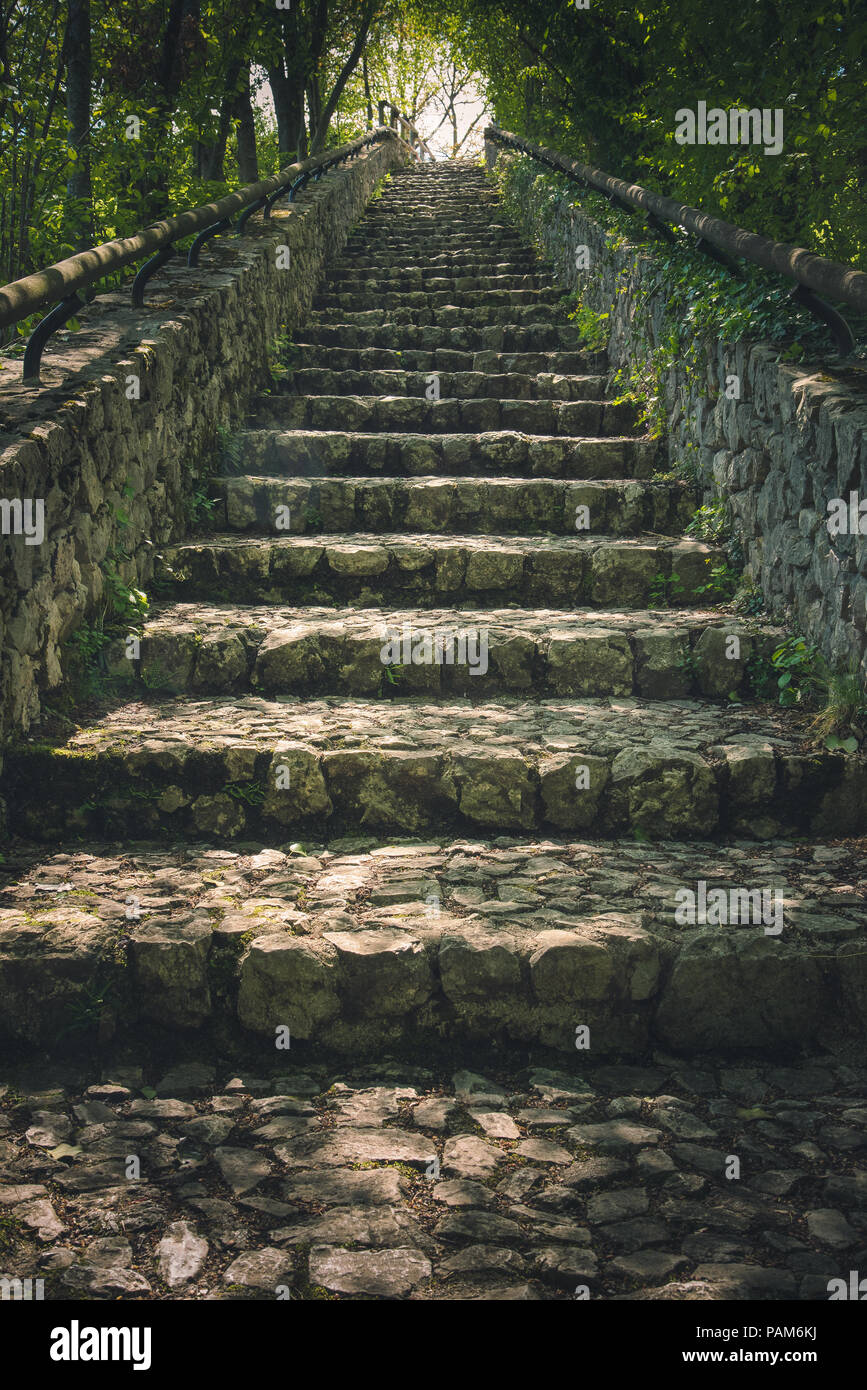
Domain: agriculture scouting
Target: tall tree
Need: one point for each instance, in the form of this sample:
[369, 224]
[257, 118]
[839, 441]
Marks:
[79, 193]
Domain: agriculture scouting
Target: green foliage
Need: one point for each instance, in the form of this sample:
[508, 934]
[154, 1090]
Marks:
[701, 300]
[603, 86]
[250, 793]
[688, 664]
[230, 450]
[721, 583]
[199, 506]
[710, 523]
[83, 1013]
[393, 676]
[749, 598]
[794, 663]
[798, 675]
[279, 349]
[122, 612]
[592, 326]
[842, 718]
[289, 356]
[664, 589]
[641, 385]
[186, 73]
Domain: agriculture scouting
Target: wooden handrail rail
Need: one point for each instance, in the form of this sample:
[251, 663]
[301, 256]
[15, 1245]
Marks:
[829, 278]
[23, 297]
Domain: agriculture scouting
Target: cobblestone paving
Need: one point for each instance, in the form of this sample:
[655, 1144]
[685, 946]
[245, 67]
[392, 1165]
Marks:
[394, 1181]
[360, 882]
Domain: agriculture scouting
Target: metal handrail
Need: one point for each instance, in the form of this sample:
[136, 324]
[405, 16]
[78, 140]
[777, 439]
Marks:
[59, 283]
[813, 274]
[399, 122]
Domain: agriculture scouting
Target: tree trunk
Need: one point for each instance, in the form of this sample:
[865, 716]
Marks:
[319, 127]
[79, 195]
[248, 160]
[366, 80]
[153, 188]
[283, 109]
[300, 127]
[314, 110]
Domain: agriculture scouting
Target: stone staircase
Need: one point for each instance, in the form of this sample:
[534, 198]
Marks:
[446, 596]
[437, 879]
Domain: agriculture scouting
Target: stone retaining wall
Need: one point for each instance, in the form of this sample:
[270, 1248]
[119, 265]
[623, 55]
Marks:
[795, 439]
[115, 471]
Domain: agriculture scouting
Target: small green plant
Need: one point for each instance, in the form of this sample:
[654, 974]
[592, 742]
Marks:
[121, 613]
[683, 470]
[251, 793]
[313, 519]
[663, 589]
[842, 720]
[749, 599]
[643, 385]
[710, 523]
[278, 350]
[761, 676]
[85, 1012]
[230, 450]
[123, 606]
[593, 327]
[800, 676]
[155, 677]
[794, 662]
[199, 508]
[393, 674]
[721, 583]
[688, 664]
[291, 356]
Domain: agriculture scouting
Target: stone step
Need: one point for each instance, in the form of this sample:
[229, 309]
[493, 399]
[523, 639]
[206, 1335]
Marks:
[448, 263]
[432, 570]
[452, 233]
[362, 950]
[238, 766]
[355, 301]
[446, 315]
[416, 225]
[215, 650]
[350, 271]
[418, 280]
[516, 364]
[401, 198]
[468, 385]
[412, 250]
[398, 198]
[318, 453]
[527, 338]
[414, 414]
[490, 506]
[440, 223]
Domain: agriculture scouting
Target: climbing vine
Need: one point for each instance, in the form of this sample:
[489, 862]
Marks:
[679, 302]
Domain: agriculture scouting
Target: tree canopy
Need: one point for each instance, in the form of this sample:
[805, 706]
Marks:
[604, 83]
[113, 114]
